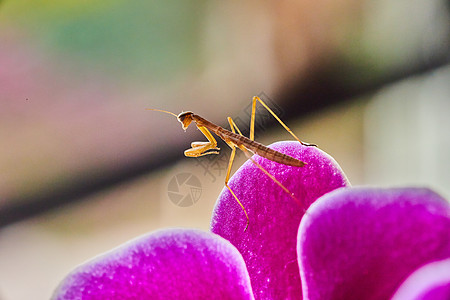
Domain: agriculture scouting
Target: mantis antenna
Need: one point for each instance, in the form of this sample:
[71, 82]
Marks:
[164, 111]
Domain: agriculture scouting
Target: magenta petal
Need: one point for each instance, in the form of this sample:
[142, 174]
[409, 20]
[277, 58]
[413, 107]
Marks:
[430, 282]
[269, 244]
[169, 264]
[361, 243]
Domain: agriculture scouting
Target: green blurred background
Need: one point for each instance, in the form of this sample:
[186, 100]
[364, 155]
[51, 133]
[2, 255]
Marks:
[84, 167]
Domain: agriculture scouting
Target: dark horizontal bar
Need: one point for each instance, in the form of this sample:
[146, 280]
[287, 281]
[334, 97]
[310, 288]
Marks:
[321, 90]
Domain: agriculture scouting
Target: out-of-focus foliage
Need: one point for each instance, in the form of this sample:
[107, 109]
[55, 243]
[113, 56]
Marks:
[155, 38]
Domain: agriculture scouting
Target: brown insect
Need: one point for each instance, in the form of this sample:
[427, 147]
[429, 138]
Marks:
[237, 140]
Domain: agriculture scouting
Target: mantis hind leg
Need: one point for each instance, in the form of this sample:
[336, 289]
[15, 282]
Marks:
[242, 147]
[252, 121]
[302, 205]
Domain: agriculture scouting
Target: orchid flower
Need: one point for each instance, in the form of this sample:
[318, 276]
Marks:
[335, 242]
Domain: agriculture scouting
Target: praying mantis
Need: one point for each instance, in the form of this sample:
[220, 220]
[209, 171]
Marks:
[237, 141]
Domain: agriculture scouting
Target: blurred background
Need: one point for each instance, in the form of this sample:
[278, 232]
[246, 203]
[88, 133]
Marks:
[84, 167]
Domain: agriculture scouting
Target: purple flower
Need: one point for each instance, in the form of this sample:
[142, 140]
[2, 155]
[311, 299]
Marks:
[269, 244]
[362, 243]
[168, 264]
[352, 243]
[430, 282]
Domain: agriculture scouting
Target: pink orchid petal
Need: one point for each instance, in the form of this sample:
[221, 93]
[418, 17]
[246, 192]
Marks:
[361, 243]
[430, 282]
[168, 264]
[269, 244]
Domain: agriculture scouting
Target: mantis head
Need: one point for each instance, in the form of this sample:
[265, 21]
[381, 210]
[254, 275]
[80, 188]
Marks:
[185, 118]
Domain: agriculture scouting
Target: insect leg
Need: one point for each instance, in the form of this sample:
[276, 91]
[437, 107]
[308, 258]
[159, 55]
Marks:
[272, 177]
[233, 126]
[233, 152]
[252, 122]
[202, 148]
